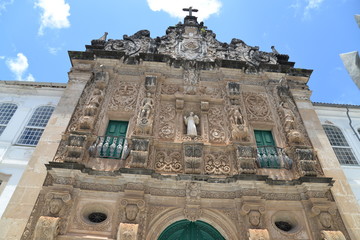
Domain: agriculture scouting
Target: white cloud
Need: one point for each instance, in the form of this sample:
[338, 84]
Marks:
[54, 50]
[4, 4]
[312, 4]
[18, 66]
[2, 57]
[55, 14]
[174, 7]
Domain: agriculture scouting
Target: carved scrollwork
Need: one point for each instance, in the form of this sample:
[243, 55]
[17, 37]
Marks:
[167, 120]
[124, 97]
[257, 107]
[216, 125]
[217, 163]
[168, 161]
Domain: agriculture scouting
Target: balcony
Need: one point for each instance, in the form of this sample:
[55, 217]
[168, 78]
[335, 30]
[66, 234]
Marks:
[273, 157]
[115, 147]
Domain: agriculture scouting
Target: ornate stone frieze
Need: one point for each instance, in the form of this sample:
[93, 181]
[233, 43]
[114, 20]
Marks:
[168, 161]
[217, 163]
[188, 41]
[219, 195]
[257, 107]
[217, 132]
[166, 121]
[167, 192]
[282, 196]
[124, 97]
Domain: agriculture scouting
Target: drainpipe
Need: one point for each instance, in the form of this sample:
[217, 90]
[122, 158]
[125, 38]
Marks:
[350, 123]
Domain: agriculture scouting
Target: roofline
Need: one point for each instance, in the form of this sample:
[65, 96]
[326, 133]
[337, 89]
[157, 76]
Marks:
[338, 105]
[33, 84]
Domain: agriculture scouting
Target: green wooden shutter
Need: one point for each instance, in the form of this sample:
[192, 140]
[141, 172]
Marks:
[267, 151]
[114, 139]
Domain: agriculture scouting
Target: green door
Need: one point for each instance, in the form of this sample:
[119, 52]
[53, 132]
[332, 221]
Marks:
[113, 142]
[186, 230]
[267, 151]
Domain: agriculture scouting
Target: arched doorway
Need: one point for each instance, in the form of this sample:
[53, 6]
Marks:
[187, 230]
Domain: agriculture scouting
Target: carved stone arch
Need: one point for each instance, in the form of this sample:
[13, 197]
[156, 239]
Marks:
[218, 220]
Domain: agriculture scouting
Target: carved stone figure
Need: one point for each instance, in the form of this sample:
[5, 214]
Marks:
[191, 121]
[325, 219]
[147, 105]
[55, 206]
[239, 130]
[289, 118]
[131, 212]
[254, 217]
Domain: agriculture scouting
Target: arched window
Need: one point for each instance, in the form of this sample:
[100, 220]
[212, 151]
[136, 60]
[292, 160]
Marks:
[7, 110]
[341, 148]
[36, 125]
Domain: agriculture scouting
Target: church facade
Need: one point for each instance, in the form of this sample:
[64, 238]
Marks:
[186, 137]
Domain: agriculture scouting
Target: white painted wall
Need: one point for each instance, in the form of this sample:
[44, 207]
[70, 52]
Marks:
[336, 114]
[14, 158]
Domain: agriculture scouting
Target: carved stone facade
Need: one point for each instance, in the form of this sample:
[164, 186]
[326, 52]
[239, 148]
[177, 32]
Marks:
[190, 106]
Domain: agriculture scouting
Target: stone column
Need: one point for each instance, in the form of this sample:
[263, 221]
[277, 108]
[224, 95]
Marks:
[343, 195]
[18, 211]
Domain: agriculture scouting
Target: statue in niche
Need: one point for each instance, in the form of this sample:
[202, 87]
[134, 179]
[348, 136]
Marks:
[289, 117]
[191, 121]
[239, 129]
[325, 219]
[254, 218]
[147, 106]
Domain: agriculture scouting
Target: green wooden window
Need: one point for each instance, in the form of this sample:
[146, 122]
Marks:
[187, 230]
[267, 152]
[112, 144]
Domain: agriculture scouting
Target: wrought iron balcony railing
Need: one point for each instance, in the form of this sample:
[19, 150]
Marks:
[109, 147]
[273, 157]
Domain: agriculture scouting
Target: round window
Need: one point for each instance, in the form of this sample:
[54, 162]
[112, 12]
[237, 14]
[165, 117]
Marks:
[285, 226]
[97, 217]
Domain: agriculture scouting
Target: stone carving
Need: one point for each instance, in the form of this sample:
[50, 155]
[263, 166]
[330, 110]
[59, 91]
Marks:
[217, 163]
[168, 161]
[239, 129]
[150, 83]
[132, 208]
[192, 212]
[257, 107]
[127, 231]
[254, 218]
[46, 228]
[193, 157]
[325, 219]
[139, 153]
[189, 40]
[145, 117]
[216, 125]
[293, 135]
[233, 88]
[192, 191]
[124, 97]
[191, 121]
[131, 212]
[258, 234]
[332, 235]
[167, 121]
[170, 89]
[75, 147]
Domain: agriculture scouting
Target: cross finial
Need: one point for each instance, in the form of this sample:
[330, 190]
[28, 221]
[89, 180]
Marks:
[190, 10]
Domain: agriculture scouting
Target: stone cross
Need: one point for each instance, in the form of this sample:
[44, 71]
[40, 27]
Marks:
[190, 10]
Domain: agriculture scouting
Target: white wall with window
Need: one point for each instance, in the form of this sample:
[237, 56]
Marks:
[341, 124]
[25, 108]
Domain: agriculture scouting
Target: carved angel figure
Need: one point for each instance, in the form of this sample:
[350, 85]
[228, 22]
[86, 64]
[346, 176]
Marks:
[191, 121]
[147, 106]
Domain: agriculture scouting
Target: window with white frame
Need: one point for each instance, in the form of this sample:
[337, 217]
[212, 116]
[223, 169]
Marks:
[36, 125]
[7, 110]
[341, 147]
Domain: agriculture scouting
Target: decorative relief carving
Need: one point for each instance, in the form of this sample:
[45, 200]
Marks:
[168, 161]
[124, 97]
[217, 163]
[131, 209]
[127, 231]
[193, 191]
[167, 121]
[170, 89]
[239, 128]
[257, 107]
[193, 157]
[246, 159]
[216, 125]
[46, 228]
[145, 116]
[192, 212]
[258, 234]
[332, 235]
[139, 153]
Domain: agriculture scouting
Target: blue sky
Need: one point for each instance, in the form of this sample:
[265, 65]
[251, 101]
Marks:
[36, 35]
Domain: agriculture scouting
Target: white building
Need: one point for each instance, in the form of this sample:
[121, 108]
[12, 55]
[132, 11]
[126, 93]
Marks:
[25, 108]
[341, 123]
